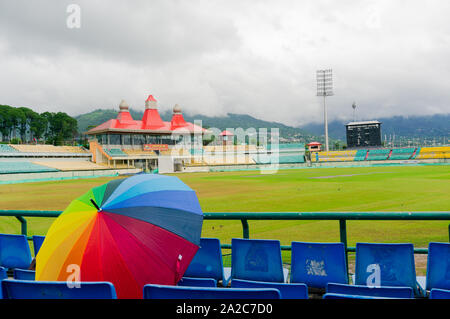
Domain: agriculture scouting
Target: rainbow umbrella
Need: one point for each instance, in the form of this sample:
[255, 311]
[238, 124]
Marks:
[131, 232]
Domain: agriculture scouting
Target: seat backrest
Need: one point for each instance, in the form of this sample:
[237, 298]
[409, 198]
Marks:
[197, 282]
[436, 293]
[317, 264]
[37, 243]
[177, 292]
[385, 265]
[388, 292]
[256, 259]
[287, 291]
[207, 262]
[346, 296]
[438, 266]
[23, 274]
[24, 289]
[3, 274]
[14, 251]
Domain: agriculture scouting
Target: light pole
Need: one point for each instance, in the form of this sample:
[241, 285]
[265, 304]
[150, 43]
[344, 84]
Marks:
[325, 88]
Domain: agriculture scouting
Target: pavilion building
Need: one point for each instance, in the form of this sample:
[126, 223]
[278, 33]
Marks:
[146, 143]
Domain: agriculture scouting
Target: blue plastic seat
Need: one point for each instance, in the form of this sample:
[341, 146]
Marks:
[386, 292]
[177, 292]
[436, 293]
[394, 263]
[438, 266]
[37, 243]
[207, 262]
[3, 274]
[24, 289]
[317, 264]
[256, 259]
[23, 274]
[197, 282]
[14, 251]
[287, 291]
[347, 296]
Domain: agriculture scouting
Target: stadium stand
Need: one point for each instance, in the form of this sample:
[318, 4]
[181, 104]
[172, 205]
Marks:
[4, 148]
[71, 165]
[442, 152]
[24, 148]
[115, 152]
[360, 155]
[23, 167]
[333, 156]
[402, 153]
[378, 154]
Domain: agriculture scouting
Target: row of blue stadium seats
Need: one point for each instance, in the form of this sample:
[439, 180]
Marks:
[313, 264]
[240, 289]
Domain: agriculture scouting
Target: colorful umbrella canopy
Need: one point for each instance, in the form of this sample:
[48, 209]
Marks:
[131, 232]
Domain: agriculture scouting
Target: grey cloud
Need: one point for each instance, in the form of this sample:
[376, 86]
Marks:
[213, 57]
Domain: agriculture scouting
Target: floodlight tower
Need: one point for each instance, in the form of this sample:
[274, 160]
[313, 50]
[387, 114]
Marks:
[325, 88]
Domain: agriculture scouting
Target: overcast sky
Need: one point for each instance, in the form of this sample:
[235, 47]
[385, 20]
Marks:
[391, 57]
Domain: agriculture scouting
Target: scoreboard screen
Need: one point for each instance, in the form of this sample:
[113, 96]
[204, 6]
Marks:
[363, 134]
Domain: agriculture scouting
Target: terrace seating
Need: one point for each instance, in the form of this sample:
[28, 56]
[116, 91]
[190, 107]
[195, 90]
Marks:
[402, 153]
[22, 274]
[23, 167]
[70, 165]
[378, 154]
[25, 148]
[287, 159]
[37, 243]
[360, 155]
[386, 292]
[389, 265]
[333, 156]
[197, 282]
[439, 294]
[317, 264]
[24, 289]
[14, 251]
[207, 262]
[177, 292]
[287, 291]
[257, 260]
[115, 152]
[4, 148]
[434, 152]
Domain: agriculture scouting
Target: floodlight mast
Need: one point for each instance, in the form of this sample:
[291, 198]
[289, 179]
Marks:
[325, 88]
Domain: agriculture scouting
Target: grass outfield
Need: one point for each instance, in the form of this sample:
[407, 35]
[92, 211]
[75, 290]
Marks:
[394, 188]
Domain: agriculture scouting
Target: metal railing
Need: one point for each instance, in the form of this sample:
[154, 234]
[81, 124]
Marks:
[244, 217]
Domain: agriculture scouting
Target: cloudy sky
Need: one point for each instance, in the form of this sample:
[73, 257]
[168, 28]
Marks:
[392, 57]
